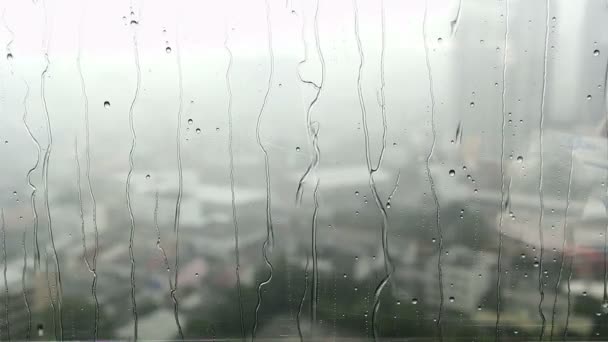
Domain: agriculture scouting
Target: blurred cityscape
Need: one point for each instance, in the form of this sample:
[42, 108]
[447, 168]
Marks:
[495, 201]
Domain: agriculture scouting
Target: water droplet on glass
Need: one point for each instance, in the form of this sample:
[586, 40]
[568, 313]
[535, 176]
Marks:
[584, 293]
[106, 104]
[536, 264]
[196, 274]
[452, 299]
[168, 49]
[9, 56]
[472, 104]
[520, 159]
[190, 121]
[134, 22]
[596, 52]
[439, 40]
[414, 301]
[588, 97]
[198, 131]
[297, 148]
[344, 275]
[452, 173]
[147, 176]
[356, 193]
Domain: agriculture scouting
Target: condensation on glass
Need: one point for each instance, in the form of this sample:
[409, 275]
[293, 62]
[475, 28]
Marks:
[311, 170]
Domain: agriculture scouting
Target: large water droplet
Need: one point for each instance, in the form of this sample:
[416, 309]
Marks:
[414, 301]
[106, 104]
[452, 173]
[596, 52]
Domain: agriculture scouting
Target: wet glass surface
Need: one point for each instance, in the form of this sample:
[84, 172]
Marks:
[314, 170]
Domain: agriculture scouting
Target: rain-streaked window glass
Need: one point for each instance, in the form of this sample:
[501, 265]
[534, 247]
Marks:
[303, 170]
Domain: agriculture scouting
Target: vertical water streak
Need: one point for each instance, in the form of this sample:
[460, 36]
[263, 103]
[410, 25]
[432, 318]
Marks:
[11, 33]
[429, 174]
[51, 299]
[388, 266]
[605, 295]
[269, 228]
[93, 266]
[180, 181]
[564, 241]
[81, 207]
[6, 293]
[569, 290]
[314, 291]
[159, 245]
[396, 186]
[128, 182]
[540, 178]
[303, 298]
[454, 23]
[232, 192]
[29, 176]
[26, 300]
[502, 204]
[45, 168]
[171, 282]
[311, 134]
